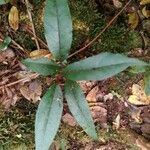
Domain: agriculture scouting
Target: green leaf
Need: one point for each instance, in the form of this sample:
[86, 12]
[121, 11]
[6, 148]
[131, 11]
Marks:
[4, 45]
[100, 67]
[58, 28]
[79, 107]
[147, 83]
[43, 66]
[3, 2]
[48, 117]
[138, 69]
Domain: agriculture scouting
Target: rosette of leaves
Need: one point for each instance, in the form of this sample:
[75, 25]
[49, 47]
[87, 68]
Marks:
[58, 33]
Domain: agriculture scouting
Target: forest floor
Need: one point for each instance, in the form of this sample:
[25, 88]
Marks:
[122, 123]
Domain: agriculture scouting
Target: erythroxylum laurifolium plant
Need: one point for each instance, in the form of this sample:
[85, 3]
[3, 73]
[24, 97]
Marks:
[58, 33]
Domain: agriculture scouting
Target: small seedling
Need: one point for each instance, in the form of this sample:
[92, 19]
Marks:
[58, 33]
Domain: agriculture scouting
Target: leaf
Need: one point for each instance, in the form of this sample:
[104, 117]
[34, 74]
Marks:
[146, 12]
[117, 3]
[138, 69]
[58, 28]
[43, 66]
[3, 2]
[48, 117]
[79, 107]
[138, 96]
[4, 45]
[100, 67]
[147, 83]
[143, 2]
[36, 54]
[133, 20]
[13, 18]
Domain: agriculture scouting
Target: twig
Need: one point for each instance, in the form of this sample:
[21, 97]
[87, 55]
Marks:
[31, 20]
[41, 41]
[15, 44]
[30, 77]
[107, 26]
[20, 47]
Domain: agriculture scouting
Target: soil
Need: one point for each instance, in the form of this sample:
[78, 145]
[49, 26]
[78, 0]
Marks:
[120, 125]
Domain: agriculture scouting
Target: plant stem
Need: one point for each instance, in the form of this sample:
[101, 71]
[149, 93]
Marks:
[31, 20]
[107, 26]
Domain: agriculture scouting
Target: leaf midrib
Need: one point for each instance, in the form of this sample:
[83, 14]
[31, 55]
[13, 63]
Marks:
[94, 68]
[58, 31]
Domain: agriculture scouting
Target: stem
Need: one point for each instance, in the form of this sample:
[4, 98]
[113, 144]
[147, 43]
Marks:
[107, 26]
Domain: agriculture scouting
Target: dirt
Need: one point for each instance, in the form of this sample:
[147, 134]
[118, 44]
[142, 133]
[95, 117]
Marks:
[120, 126]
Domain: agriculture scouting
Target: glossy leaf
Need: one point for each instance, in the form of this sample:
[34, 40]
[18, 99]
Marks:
[48, 117]
[43, 66]
[58, 28]
[147, 83]
[100, 67]
[79, 107]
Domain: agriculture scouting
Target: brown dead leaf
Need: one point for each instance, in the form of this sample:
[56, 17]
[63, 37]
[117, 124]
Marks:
[138, 96]
[117, 3]
[13, 18]
[68, 119]
[142, 144]
[86, 85]
[146, 12]
[116, 123]
[32, 91]
[91, 97]
[133, 20]
[40, 53]
[6, 55]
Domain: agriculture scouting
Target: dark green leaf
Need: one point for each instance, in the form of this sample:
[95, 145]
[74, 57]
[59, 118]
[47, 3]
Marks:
[58, 28]
[100, 67]
[43, 66]
[4, 45]
[48, 117]
[147, 83]
[79, 107]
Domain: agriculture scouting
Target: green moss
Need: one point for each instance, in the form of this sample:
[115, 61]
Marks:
[88, 22]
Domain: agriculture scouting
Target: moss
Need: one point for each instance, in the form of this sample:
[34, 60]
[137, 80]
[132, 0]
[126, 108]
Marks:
[88, 22]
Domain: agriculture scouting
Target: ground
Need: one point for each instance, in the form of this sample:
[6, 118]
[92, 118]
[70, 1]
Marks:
[118, 122]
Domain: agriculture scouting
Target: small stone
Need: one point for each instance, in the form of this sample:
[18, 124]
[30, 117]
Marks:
[68, 119]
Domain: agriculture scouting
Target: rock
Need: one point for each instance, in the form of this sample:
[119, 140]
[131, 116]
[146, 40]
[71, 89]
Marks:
[68, 119]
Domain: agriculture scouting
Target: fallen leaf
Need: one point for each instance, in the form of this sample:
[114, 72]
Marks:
[116, 123]
[40, 53]
[142, 144]
[138, 96]
[117, 3]
[143, 2]
[146, 12]
[133, 20]
[13, 18]
[68, 119]
[6, 55]
[4, 45]
[32, 92]
[91, 97]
